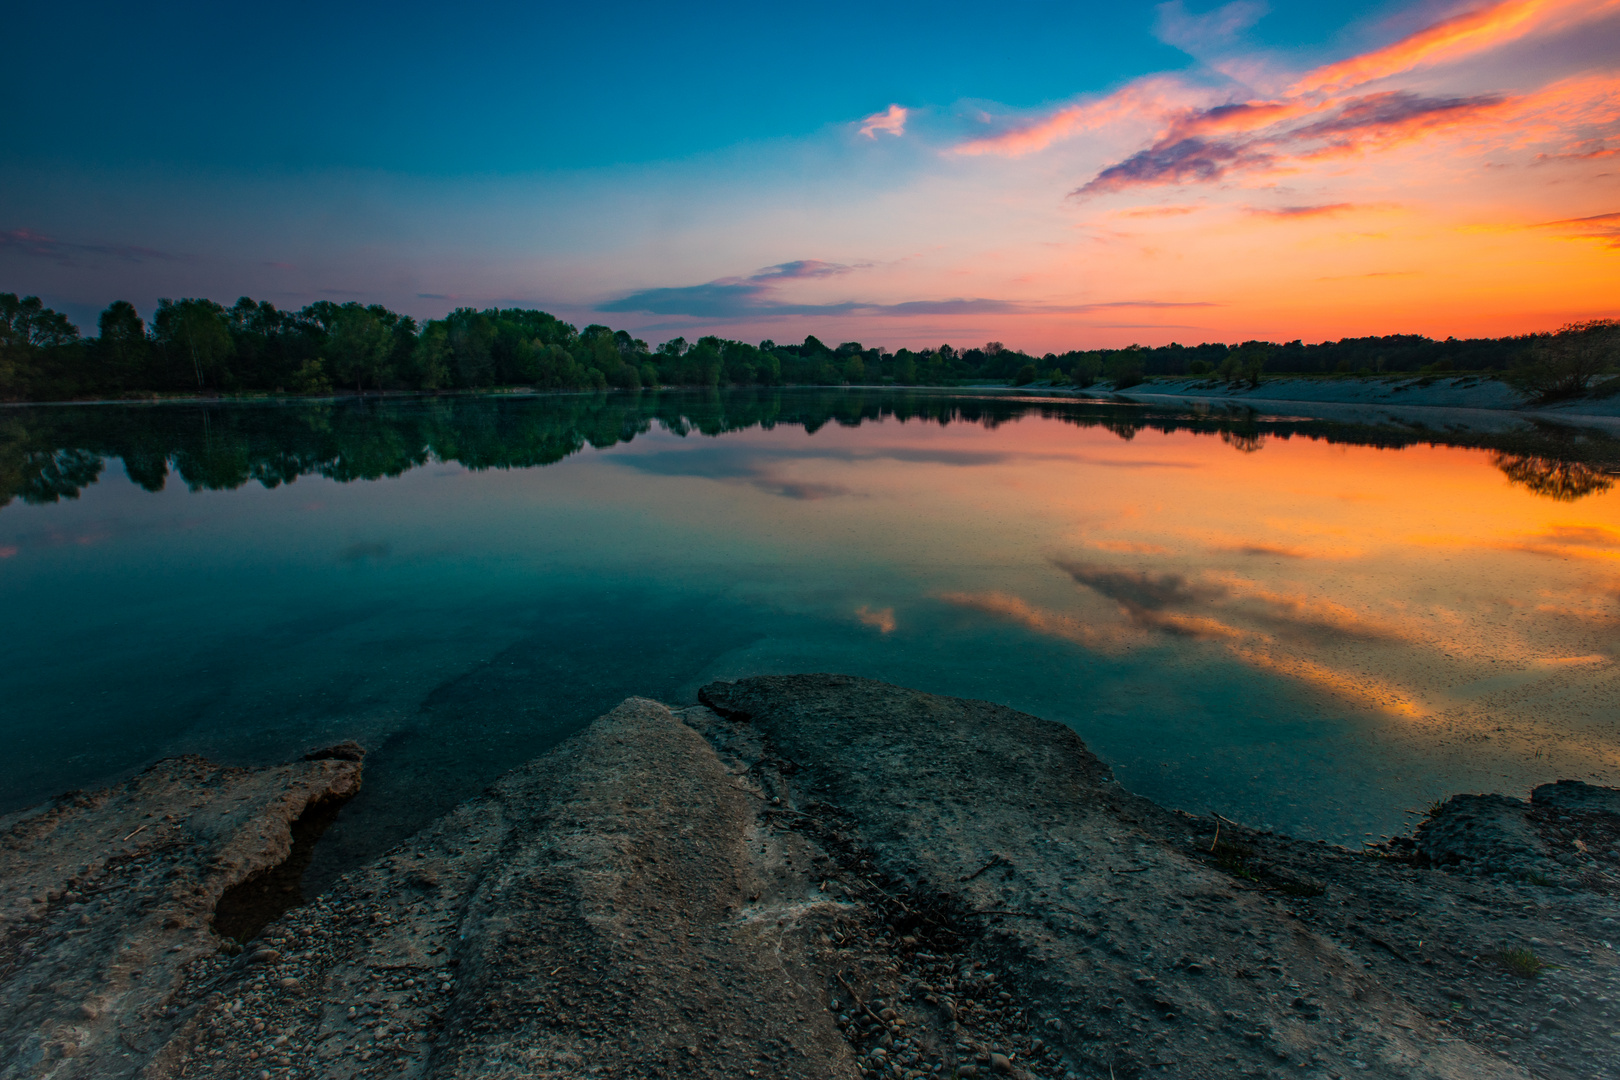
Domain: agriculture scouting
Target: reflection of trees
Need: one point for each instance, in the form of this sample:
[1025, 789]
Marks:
[51, 454]
[1244, 441]
[51, 475]
[1565, 481]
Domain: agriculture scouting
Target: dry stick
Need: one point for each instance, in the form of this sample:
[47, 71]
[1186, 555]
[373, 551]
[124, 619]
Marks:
[1215, 843]
[856, 998]
[139, 830]
[857, 879]
[993, 860]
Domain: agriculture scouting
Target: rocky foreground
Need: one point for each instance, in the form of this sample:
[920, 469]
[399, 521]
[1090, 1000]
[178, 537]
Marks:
[804, 876]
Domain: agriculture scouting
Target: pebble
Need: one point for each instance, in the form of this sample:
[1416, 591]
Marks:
[1000, 1063]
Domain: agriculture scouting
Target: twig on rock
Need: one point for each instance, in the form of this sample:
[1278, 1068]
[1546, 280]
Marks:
[993, 860]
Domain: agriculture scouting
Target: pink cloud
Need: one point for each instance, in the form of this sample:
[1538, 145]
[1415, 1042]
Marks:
[892, 121]
[1451, 39]
[1144, 97]
[1322, 117]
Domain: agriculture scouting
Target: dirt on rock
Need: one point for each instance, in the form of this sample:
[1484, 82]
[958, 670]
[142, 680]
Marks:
[108, 900]
[823, 876]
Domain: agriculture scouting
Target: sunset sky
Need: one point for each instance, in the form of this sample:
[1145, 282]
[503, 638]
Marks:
[1051, 176]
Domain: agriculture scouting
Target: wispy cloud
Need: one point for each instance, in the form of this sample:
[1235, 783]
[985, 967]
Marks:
[64, 252]
[1207, 135]
[1190, 153]
[1142, 98]
[757, 295]
[1566, 541]
[1323, 210]
[1159, 211]
[1602, 227]
[1451, 39]
[1198, 34]
[891, 121]
[1042, 621]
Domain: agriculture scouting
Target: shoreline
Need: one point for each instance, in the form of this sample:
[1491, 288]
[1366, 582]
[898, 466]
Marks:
[810, 876]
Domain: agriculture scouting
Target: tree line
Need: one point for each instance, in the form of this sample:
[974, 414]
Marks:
[51, 454]
[198, 346]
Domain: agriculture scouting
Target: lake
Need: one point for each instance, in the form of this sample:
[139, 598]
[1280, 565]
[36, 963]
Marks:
[1310, 625]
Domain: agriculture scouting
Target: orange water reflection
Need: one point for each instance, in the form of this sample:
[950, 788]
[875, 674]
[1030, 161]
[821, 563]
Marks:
[1422, 586]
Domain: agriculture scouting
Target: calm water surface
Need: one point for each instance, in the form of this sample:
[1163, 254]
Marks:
[1298, 624]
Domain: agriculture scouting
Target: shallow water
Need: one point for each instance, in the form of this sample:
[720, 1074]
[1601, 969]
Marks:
[1234, 611]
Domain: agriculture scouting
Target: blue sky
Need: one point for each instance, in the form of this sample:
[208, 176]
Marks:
[593, 158]
[501, 88]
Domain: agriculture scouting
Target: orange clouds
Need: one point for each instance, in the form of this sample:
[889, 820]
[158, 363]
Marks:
[881, 620]
[1572, 541]
[1129, 547]
[1372, 121]
[1450, 39]
[1333, 111]
[1142, 98]
[1145, 601]
[1047, 623]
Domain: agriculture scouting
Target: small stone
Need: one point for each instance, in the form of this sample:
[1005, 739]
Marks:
[1000, 1063]
[89, 1011]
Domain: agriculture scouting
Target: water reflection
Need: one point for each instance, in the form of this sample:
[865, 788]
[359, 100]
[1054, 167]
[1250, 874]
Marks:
[51, 453]
[1565, 481]
[1306, 623]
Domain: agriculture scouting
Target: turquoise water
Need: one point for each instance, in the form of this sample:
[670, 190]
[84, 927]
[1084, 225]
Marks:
[459, 583]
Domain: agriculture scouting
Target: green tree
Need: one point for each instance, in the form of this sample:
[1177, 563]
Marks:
[430, 358]
[359, 342]
[471, 337]
[1563, 365]
[310, 378]
[122, 347]
[196, 333]
[27, 330]
[905, 367]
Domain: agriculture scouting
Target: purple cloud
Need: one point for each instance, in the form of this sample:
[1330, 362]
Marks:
[40, 246]
[1192, 153]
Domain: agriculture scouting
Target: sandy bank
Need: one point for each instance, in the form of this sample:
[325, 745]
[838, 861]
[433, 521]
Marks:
[814, 876]
[1470, 399]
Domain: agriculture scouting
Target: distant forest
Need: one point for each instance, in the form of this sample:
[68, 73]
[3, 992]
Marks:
[199, 346]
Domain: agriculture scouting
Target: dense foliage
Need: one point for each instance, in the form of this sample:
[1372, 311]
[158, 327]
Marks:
[199, 346]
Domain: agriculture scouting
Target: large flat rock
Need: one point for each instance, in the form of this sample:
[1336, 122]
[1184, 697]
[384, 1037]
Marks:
[108, 901]
[822, 876]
